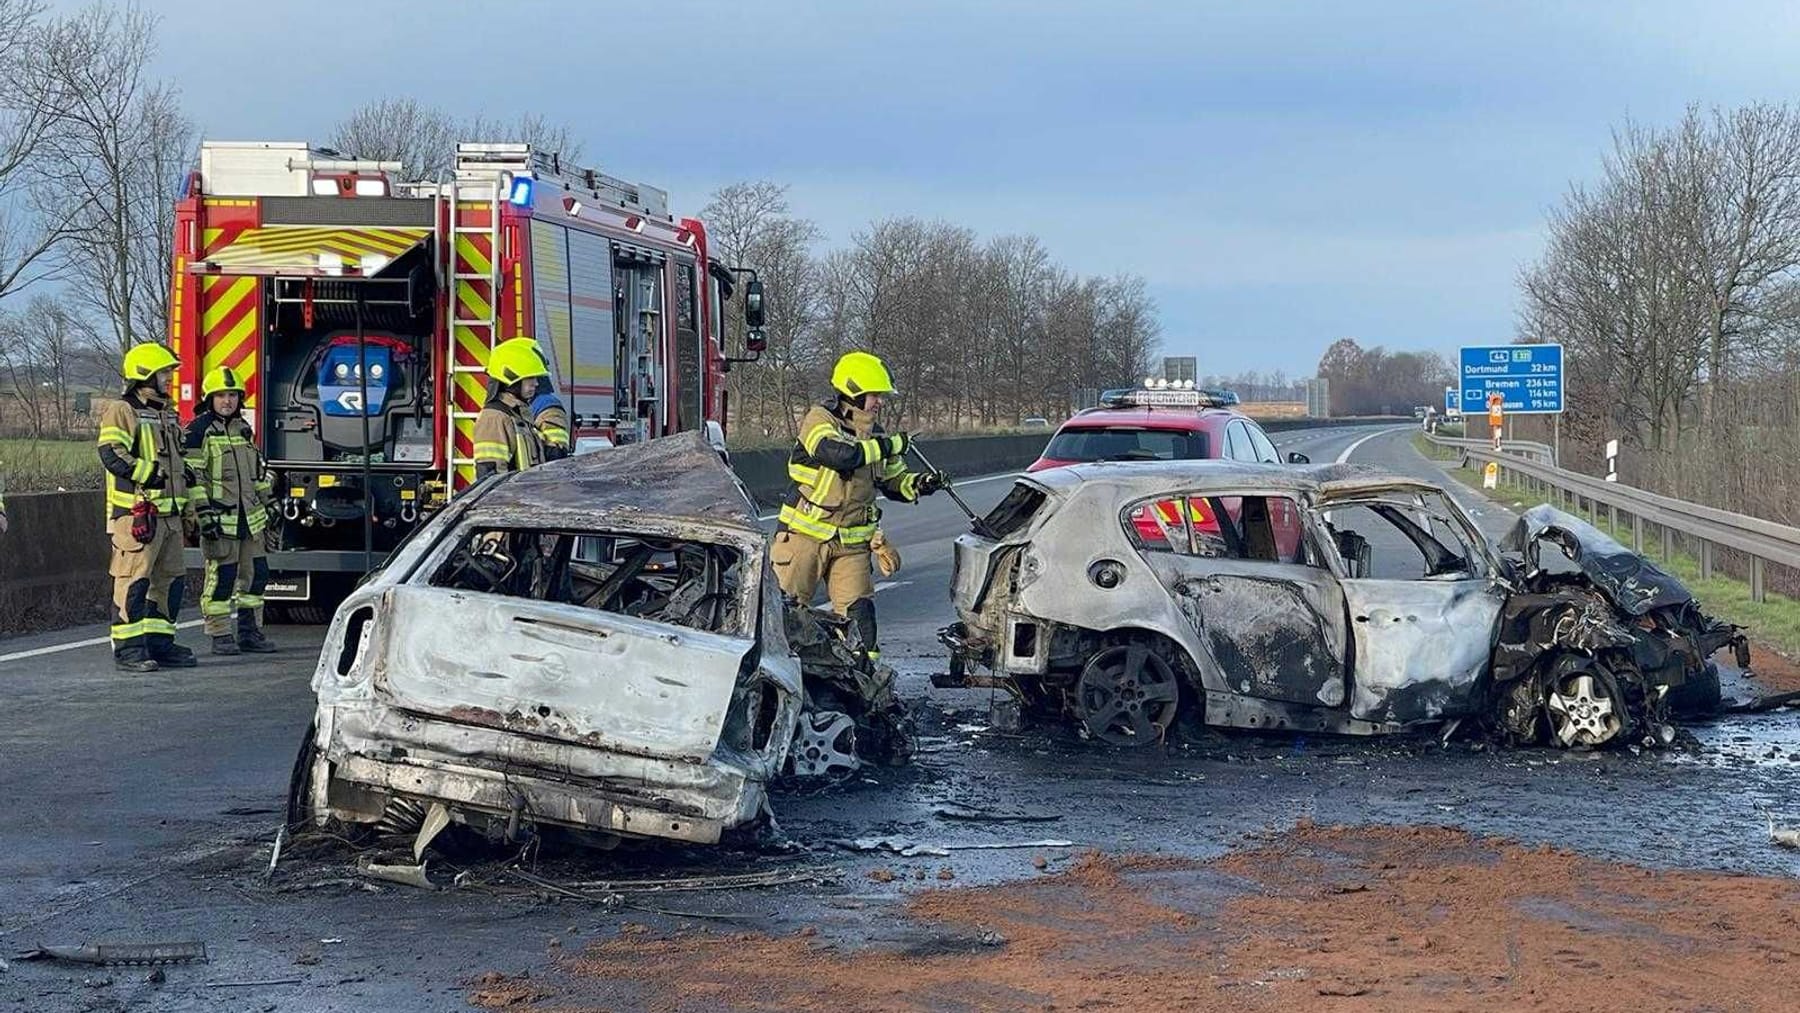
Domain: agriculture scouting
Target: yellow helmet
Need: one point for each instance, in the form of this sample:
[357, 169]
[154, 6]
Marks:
[861, 373]
[515, 360]
[146, 360]
[219, 380]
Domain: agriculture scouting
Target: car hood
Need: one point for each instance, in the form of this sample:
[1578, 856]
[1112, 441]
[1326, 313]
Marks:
[1633, 584]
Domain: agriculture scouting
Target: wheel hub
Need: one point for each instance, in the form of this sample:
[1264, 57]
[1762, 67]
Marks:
[824, 745]
[1582, 712]
[1127, 696]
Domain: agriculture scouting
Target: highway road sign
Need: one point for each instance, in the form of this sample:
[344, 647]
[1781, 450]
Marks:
[1528, 377]
[1452, 400]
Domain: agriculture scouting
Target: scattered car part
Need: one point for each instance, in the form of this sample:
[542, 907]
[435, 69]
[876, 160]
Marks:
[405, 875]
[111, 954]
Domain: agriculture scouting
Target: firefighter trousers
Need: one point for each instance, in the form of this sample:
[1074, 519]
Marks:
[802, 564]
[237, 570]
[148, 584]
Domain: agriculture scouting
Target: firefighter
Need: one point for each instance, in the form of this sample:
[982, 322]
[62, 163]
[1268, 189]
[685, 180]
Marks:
[232, 496]
[506, 439]
[841, 460]
[147, 505]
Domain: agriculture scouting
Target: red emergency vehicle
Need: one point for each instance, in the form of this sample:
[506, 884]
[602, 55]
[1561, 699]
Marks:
[359, 309]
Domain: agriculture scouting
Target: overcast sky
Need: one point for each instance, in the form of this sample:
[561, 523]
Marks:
[1283, 174]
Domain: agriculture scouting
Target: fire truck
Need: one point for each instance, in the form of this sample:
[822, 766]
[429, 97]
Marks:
[359, 310]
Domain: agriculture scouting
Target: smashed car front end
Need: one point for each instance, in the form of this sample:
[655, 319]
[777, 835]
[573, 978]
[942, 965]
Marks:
[1599, 644]
[550, 661]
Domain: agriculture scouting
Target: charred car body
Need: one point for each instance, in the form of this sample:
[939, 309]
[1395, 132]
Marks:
[596, 644]
[1327, 598]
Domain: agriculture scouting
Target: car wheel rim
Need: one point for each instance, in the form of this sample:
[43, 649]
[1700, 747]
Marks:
[1583, 711]
[1127, 695]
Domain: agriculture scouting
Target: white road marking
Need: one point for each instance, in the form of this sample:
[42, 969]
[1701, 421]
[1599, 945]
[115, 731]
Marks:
[1344, 457]
[38, 652]
[890, 584]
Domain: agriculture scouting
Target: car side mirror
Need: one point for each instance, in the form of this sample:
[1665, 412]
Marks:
[1295, 457]
[753, 305]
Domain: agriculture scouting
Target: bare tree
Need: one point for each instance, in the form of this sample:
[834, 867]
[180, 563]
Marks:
[423, 138]
[118, 138]
[26, 238]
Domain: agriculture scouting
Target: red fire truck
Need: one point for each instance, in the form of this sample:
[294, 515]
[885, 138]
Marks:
[359, 310]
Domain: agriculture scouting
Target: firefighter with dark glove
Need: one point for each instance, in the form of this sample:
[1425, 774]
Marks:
[841, 460]
[147, 502]
[506, 437]
[232, 496]
[552, 421]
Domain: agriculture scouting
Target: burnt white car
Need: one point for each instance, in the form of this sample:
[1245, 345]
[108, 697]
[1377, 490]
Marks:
[1128, 597]
[596, 645]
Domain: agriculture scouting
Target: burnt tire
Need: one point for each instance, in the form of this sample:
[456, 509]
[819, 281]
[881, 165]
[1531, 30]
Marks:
[300, 780]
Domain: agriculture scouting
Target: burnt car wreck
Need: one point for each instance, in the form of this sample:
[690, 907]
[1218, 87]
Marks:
[594, 646]
[1133, 598]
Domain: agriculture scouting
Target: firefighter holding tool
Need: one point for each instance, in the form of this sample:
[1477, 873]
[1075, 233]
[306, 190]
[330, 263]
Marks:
[146, 499]
[507, 433]
[232, 498]
[839, 463]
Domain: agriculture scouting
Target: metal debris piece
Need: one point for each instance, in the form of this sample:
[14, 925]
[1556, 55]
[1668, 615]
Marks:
[729, 881]
[112, 954]
[969, 814]
[405, 875]
[254, 984]
[909, 849]
[1785, 837]
[275, 852]
[436, 819]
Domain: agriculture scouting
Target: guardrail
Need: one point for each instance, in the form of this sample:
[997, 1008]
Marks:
[1762, 541]
[1542, 452]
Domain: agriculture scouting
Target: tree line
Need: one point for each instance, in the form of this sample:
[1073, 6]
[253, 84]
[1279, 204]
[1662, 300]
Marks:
[977, 332]
[1375, 381]
[1672, 280]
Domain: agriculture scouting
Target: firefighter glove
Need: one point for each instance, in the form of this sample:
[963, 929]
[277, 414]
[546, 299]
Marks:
[894, 445]
[210, 527]
[932, 481]
[143, 522]
[887, 558]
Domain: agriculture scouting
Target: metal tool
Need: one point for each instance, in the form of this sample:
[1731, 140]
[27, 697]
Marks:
[975, 520]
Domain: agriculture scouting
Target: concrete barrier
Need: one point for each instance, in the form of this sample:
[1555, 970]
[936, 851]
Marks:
[53, 561]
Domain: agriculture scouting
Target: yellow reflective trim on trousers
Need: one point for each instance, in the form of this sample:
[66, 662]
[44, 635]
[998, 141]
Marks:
[114, 435]
[798, 521]
[159, 626]
[128, 631]
[816, 435]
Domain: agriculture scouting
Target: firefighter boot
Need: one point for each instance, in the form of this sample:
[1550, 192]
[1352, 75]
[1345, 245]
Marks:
[250, 635]
[168, 653]
[226, 644]
[134, 659]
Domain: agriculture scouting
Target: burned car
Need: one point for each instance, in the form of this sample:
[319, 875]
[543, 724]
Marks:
[1335, 598]
[595, 645]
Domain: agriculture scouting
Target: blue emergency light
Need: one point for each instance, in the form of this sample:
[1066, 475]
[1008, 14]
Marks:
[520, 193]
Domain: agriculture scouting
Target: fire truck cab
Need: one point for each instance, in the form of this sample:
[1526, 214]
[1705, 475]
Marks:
[359, 310]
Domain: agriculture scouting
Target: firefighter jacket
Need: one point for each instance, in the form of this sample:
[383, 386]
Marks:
[140, 448]
[231, 479]
[841, 460]
[505, 440]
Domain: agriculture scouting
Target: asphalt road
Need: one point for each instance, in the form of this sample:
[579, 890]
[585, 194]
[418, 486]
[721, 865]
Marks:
[141, 808]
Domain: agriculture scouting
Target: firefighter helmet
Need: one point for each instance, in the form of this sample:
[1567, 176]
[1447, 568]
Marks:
[515, 360]
[221, 380]
[146, 360]
[861, 373]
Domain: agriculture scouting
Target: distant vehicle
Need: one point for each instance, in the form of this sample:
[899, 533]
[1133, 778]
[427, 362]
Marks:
[1420, 411]
[1159, 425]
[1037, 422]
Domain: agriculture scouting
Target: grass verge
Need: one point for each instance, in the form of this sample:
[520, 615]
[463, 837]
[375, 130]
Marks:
[1774, 622]
[47, 465]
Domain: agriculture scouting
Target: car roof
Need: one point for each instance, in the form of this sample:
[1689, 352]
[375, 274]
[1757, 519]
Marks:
[1151, 418]
[1151, 478]
[674, 478]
